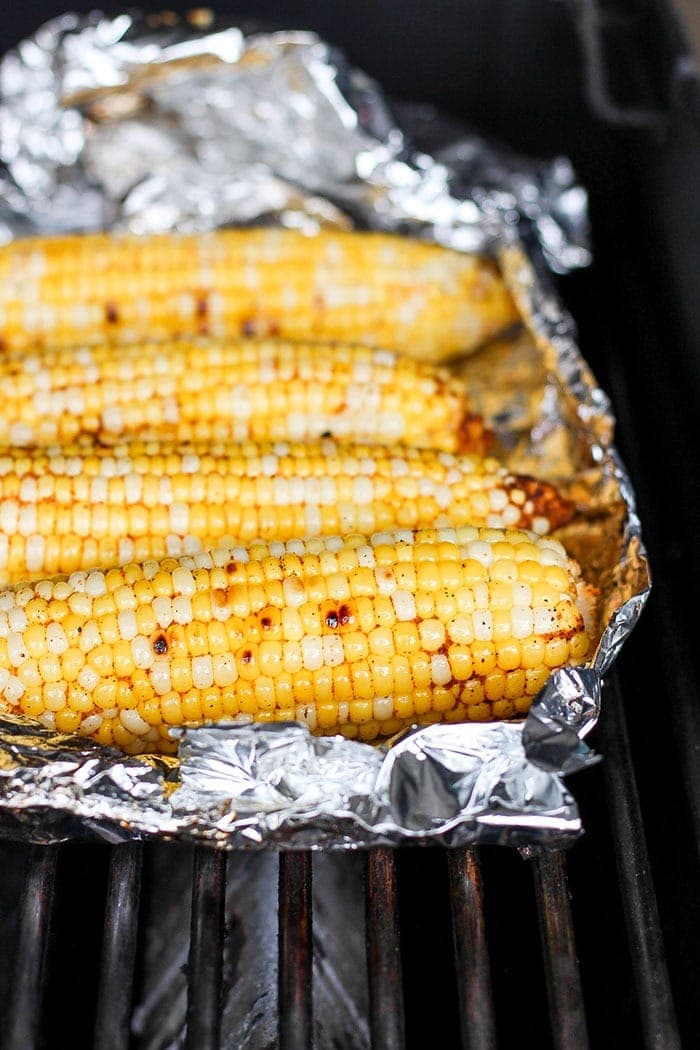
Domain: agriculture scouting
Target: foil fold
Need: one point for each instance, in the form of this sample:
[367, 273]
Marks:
[150, 124]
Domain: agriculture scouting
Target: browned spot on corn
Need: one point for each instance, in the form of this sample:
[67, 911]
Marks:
[111, 313]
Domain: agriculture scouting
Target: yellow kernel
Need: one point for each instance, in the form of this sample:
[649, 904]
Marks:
[72, 660]
[422, 701]
[443, 698]
[556, 652]
[578, 647]
[79, 700]
[50, 668]
[403, 705]
[171, 708]
[32, 703]
[460, 660]
[67, 720]
[369, 730]
[533, 650]
[432, 635]
[303, 687]
[55, 694]
[381, 641]
[326, 714]
[421, 671]
[503, 709]
[361, 711]
[508, 656]
[35, 640]
[494, 685]
[479, 712]
[104, 695]
[212, 707]
[472, 692]
[363, 688]
[535, 679]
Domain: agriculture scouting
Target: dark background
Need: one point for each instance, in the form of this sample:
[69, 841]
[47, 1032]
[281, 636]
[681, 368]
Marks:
[519, 71]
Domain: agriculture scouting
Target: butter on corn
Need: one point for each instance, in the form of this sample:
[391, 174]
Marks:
[357, 635]
[69, 508]
[372, 288]
[200, 390]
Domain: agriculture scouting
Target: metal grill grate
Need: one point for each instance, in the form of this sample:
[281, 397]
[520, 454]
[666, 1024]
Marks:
[23, 1026]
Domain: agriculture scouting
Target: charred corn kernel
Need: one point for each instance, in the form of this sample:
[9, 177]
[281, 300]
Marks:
[334, 660]
[371, 287]
[149, 390]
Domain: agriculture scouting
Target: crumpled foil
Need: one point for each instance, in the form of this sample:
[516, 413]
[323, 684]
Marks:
[150, 124]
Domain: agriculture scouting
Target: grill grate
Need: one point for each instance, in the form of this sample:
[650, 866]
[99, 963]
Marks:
[22, 1029]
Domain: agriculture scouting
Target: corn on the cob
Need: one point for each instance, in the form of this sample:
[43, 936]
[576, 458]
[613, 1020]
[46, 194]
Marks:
[357, 635]
[71, 508]
[191, 390]
[377, 289]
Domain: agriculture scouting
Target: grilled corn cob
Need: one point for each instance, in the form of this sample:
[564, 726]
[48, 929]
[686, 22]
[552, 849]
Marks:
[66, 509]
[357, 635]
[377, 289]
[191, 390]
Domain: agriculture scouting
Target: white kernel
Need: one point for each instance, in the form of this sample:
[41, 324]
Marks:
[510, 515]
[386, 581]
[9, 513]
[483, 625]
[14, 689]
[131, 720]
[27, 490]
[313, 521]
[362, 490]
[179, 516]
[90, 636]
[333, 652]
[440, 669]
[95, 585]
[521, 621]
[112, 419]
[182, 609]
[545, 621]
[268, 465]
[404, 604]
[126, 621]
[21, 434]
[365, 557]
[202, 672]
[160, 677]
[88, 678]
[77, 581]
[17, 619]
[312, 653]
[98, 489]
[16, 650]
[61, 590]
[163, 610]
[133, 488]
[183, 582]
[56, 641]
[4, 676]
[498, 499]
[329, 491]
[225, 670]
[90, 724]
[399, 467]
[126, 550]
[142, 652]
[480, 551]
[294, 591]
[383, 708]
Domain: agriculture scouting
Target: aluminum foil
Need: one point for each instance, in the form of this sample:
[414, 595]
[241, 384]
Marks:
[151, 124]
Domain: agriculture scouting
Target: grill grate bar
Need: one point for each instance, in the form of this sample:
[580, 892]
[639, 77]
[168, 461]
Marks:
[205, 961]
[638, 896]
[295, 952]
[471, 951]
[22, 1020]
[383, 951]
[119, 948]
[566, 1009]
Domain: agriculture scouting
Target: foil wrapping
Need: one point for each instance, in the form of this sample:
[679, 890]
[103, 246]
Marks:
[151, 124]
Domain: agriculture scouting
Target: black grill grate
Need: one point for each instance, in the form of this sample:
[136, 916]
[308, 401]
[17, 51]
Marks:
[22, 1028]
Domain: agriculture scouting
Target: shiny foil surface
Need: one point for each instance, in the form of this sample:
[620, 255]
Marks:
[152, 124]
